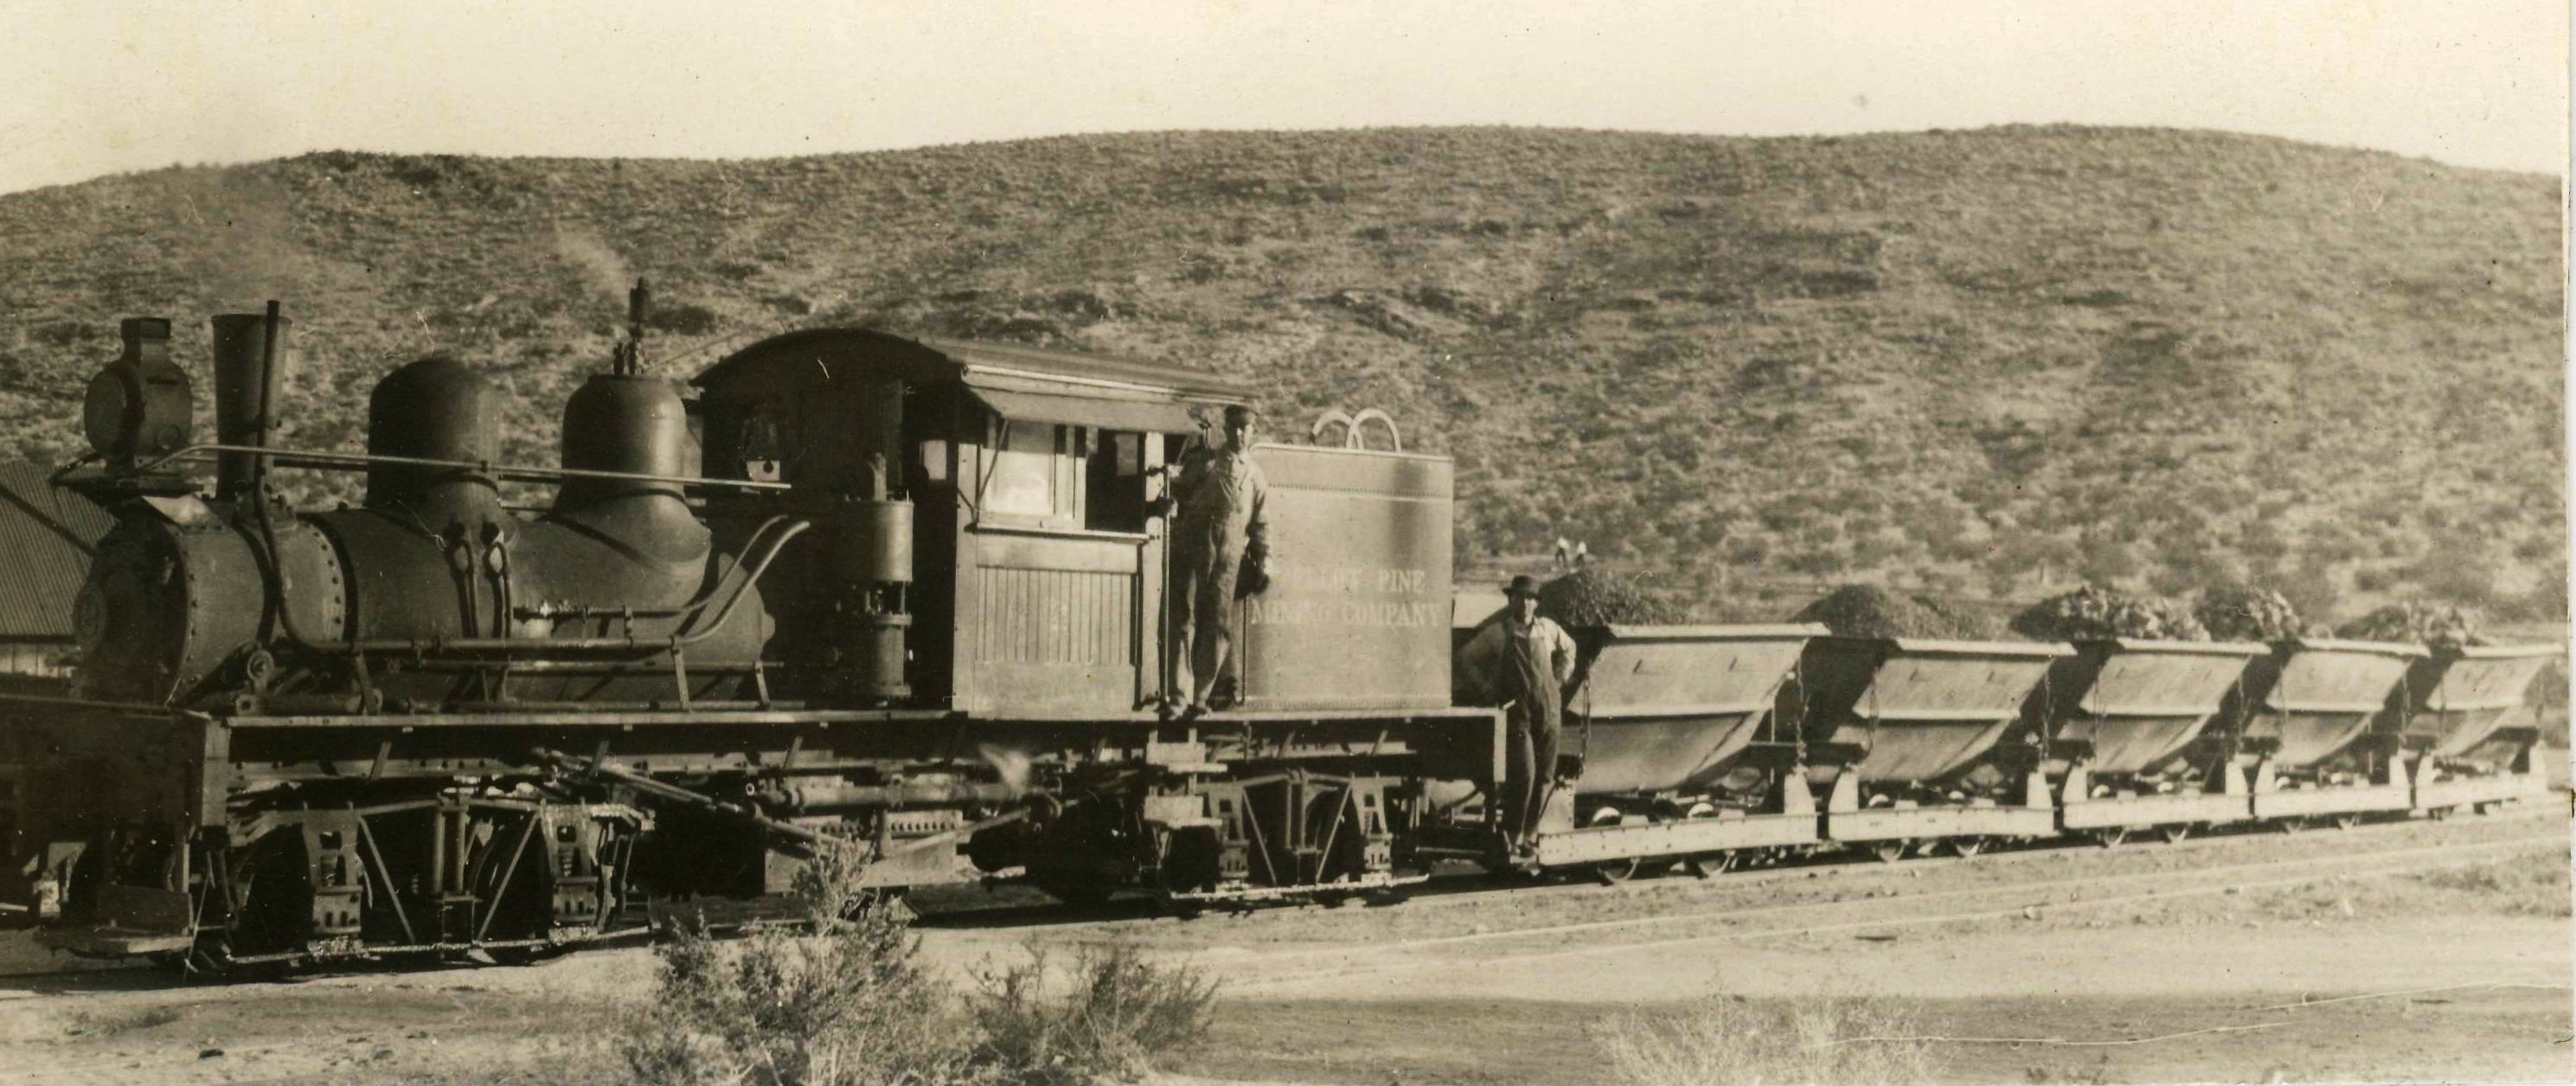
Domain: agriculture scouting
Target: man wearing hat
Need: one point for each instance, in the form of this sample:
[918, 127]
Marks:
[1521, 662]
[1216, 535]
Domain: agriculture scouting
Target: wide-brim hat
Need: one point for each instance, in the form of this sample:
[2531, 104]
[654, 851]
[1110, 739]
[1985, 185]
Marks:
[1523, 585]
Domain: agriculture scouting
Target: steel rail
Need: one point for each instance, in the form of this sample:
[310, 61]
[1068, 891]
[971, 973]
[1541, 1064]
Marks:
[2449, 855]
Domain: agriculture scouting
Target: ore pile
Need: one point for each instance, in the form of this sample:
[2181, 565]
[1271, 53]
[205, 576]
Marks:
[2430, 624]
[2241, 613]
[2096, 614]
[1594, 597]
[1860, 610]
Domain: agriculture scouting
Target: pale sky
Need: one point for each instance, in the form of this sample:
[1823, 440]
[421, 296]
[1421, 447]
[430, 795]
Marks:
[88, 88]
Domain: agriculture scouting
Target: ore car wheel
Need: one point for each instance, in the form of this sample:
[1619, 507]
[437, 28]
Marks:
[1613, 872]
[1709, 865]
[2293, 824]
[2347, 821]
[2175, 833]
[1888, 851]
[2111, 836]
[1968, 847]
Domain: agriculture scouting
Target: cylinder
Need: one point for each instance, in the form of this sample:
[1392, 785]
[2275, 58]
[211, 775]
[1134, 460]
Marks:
[876, 657]
[875, 542]
[246, 393]
[625, 423]
[436, 408]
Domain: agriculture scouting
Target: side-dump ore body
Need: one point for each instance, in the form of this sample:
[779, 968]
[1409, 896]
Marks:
[2127, 723]
[1674, 708]
[1680, 750]
[2469, 720]
[1906, 721]
[2305, 720]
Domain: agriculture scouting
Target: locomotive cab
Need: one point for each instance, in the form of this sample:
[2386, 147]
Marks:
[1022, 577]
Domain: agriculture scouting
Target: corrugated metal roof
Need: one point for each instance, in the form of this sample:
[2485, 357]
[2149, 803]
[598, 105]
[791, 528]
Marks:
[46, 538]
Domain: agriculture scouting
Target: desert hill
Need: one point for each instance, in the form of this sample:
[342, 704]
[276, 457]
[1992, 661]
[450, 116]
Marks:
[1990, 363]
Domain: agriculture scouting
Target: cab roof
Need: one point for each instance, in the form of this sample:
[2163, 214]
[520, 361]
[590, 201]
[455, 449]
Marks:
[928, 359]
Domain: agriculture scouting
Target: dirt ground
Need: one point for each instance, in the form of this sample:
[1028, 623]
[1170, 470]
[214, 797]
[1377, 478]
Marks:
[2463, 952]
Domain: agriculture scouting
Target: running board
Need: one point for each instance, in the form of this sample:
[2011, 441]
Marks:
[1689, 837]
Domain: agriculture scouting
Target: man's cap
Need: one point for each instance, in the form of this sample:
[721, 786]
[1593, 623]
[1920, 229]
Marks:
[1235, 413]
[1523, 585]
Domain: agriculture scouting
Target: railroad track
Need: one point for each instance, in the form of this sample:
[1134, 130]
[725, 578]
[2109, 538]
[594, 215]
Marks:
[1893, 910]
[1459, 890]
[1469, 888]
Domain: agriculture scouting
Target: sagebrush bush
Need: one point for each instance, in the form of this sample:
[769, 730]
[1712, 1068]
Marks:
[851, 1003]
[848, 1004]
[1730, 1041]
[1120, 1012]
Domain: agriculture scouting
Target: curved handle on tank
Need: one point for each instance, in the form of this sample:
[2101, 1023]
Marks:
[1362, 418]
[1330, 417]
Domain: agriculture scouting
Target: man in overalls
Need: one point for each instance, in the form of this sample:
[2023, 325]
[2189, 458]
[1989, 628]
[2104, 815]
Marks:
[1218, 531]
[1521, 662]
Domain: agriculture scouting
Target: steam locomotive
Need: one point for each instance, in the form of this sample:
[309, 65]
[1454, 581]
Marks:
[903, 598]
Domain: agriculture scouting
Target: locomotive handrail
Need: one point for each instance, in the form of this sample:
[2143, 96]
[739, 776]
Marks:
[514, 472]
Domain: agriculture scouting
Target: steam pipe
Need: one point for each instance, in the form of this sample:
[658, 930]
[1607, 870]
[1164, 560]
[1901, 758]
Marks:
[519, 473]
[267, 400]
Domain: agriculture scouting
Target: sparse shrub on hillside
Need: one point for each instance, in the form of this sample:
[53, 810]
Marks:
[680, 319]
[1601, 326]
[2416, 621]
[2236, 612]
[2091, 613]
[1862, 610]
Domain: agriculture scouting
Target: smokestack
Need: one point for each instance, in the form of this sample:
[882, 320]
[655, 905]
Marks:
[250, 364]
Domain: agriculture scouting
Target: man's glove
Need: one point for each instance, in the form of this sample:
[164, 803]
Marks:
[1253, 577]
